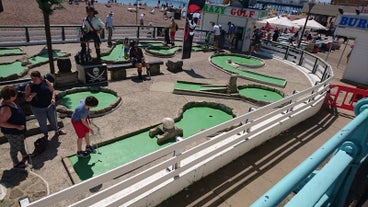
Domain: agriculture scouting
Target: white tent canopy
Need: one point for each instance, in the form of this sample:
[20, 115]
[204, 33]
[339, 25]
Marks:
[311, 24]
[280, 22]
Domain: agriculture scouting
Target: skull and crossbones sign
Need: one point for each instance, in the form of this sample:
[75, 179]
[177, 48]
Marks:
[96, 76]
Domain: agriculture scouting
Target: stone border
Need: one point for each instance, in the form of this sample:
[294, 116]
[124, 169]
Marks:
[68, 112]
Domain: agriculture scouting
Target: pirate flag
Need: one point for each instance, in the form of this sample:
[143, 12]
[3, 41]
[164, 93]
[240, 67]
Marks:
[194, 11]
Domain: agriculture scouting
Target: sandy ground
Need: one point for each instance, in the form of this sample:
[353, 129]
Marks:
[18, 12]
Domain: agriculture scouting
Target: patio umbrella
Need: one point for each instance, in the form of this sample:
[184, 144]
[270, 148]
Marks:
[280, 22]
[311, 24]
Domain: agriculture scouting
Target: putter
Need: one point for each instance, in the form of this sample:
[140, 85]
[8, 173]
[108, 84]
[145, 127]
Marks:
[98, 133]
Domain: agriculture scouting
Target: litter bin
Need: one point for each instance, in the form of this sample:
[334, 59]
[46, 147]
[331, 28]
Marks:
[94, 74]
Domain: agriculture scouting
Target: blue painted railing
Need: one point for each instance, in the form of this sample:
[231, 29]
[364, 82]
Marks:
[330, 185]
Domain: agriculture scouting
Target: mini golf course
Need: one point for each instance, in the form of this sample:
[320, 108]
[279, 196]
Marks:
[68, 100]
[196, 116]
[222, 62]
[19, 68]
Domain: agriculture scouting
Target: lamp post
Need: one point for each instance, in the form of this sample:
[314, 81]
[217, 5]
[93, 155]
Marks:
[310, 6]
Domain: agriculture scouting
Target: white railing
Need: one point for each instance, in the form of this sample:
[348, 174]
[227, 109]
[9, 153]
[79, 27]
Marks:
[151, 179]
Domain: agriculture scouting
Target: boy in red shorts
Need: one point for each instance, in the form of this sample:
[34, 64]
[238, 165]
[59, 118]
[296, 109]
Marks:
[81, 125]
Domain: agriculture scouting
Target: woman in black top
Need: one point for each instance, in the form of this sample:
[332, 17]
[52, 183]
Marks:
[41, 95]
[13, 125]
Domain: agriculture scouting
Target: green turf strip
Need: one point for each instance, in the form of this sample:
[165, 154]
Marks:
[221, 61]
[11, 51]
[261, 94]
[116, 54]
[194, 86]
[72, 100]
[130, 148]
[8, 69]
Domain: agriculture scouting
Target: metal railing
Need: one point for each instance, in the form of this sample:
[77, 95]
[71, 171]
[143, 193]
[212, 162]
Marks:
[330, 185]
[152, 182]
[35, 34]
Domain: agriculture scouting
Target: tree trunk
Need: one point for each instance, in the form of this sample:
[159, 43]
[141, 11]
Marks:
[46, 19]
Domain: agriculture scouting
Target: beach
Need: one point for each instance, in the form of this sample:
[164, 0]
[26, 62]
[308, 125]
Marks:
[18, 13]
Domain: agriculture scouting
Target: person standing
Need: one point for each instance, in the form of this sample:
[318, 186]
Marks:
[173, 28]
[126, 48]
[230, 34]
[141, 19]
[109, 27]
[13, 125]
[137, 58]
[92, 27]
[41, 95]
[216, 36]
[81, 125]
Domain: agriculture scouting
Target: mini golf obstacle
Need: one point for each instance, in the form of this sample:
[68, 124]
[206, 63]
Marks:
[241, 65]
[68, 100]
[255, 93]
[192, 118]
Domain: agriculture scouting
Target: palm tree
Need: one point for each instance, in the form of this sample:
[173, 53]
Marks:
[47, 7]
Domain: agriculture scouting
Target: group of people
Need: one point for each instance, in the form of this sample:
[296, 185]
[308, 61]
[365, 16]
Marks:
[217, 32]
[40, 94]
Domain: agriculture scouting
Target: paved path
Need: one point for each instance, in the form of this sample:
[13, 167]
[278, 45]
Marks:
[237, 184]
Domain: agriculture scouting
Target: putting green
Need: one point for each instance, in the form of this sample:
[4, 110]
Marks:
[8, 69]
[221, 61]
[163, 51]
[150, 44]
[115, 55]
[197, 48]
[260, 94]
[70, 101]
[129, 148]
[11, 51]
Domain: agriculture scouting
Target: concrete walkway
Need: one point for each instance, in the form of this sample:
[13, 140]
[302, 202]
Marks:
[145, 103]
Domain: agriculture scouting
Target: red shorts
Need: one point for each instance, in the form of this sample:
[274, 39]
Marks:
[80, 129]
[172, 34]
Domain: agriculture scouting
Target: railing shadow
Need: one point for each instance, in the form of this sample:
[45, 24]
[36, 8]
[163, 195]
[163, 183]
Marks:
[232, 178]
